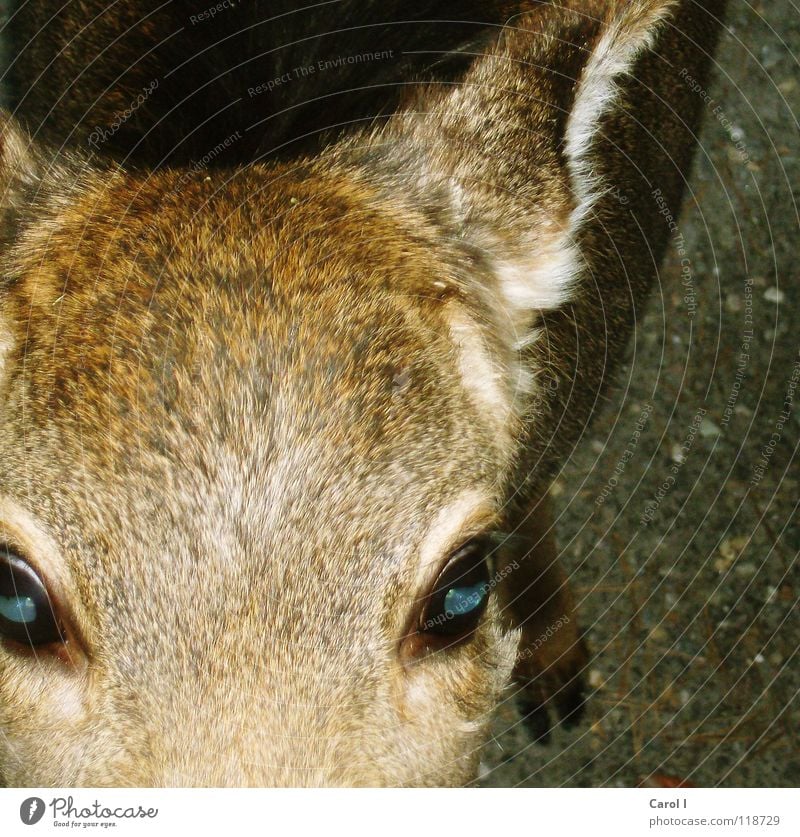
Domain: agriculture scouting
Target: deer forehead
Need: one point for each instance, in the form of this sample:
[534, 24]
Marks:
[275, 394]
[254, 442]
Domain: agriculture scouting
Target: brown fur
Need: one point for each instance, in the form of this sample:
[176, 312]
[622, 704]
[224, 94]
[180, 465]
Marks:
[235, 404]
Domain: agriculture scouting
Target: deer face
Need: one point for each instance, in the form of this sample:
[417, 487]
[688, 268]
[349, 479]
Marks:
[242, 475]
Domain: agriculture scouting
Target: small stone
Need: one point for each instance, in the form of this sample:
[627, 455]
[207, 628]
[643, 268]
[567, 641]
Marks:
[734, 155]
[730, 550]
[556, 488]
[677, 453]
[708, 429]
[759, 658]
[596, 679]
[685, 696]
[774, 295]
[770, 57]
[733, 303]
[745, 568]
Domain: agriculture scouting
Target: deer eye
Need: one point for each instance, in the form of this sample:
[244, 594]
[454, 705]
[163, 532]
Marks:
[27, 615]
[458, 599]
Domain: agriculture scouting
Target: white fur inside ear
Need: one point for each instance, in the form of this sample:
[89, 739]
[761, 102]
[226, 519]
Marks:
[623, 40]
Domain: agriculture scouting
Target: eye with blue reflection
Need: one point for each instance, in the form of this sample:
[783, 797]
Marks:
[26, 612]
[461, 600]
[454, 607]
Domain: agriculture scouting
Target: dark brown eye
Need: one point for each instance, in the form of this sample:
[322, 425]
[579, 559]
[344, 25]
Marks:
[455, 605]
[27, 614]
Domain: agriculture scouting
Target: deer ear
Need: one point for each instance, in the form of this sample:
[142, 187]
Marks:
[505, 161]
[629, 28]
[608, 45]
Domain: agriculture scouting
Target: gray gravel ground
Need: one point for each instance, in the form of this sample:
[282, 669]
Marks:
[693, 615]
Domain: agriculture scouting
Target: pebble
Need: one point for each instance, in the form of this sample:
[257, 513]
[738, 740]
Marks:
[745, 568]
[731, 547]
[708, 429]
[733, 303]
[770, 57]
[677, 453]
[596, 679]
[774, 295]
